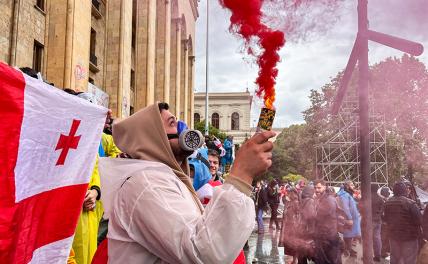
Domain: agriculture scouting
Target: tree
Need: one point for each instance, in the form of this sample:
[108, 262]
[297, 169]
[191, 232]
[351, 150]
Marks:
[398, 89]
[211, 130]
[292, 153]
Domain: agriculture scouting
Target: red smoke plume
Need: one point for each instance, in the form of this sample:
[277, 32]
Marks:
[246, 20]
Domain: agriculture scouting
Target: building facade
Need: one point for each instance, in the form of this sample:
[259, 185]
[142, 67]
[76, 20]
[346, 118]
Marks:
[229, 112]
[137, 51]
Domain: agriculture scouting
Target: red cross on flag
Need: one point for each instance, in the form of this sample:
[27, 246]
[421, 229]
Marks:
[49, 144]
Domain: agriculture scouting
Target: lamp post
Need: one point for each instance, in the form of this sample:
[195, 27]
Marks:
[206, 70]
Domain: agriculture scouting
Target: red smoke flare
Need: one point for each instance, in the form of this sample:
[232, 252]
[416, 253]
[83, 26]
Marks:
[246, 20]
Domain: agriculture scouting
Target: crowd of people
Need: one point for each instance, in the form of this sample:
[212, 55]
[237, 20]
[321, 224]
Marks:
[178, 204]
[322, 224]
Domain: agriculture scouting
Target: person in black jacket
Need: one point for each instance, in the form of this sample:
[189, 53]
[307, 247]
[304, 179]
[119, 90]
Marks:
[261, 200]
[273, 200]
[377, 209]
[403, 221]
[327, 240]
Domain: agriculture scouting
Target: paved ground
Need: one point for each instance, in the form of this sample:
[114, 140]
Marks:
[263, 248]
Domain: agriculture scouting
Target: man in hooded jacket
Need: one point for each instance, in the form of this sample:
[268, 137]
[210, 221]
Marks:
[348, 204]
[155, 214]
[404, 222]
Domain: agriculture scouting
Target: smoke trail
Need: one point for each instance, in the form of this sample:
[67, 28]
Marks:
[246, 20]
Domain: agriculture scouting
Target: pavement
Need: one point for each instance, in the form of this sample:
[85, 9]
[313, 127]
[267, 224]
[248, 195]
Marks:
[263, 248]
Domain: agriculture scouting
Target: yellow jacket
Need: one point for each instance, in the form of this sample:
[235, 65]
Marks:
[110, 149]
[85, 238]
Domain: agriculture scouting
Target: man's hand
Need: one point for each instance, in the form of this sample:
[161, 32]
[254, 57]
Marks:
[90, 198]
[254, 157]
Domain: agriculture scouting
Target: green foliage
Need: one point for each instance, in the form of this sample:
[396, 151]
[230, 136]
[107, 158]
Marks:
[211, 130]
[292, 177]
[293, 153]
[399, 89]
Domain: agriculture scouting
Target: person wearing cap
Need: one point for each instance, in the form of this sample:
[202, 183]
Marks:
[403, 221]
[155, 214]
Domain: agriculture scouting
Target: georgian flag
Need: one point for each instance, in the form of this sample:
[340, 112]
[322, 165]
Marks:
[49, 141]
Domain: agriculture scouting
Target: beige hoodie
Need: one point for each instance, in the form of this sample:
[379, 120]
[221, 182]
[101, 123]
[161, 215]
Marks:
[142, 136]
[154, 214]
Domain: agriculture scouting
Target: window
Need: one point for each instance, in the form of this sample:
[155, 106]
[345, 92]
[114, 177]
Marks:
[196, 118]
[134, 23]
[131, 110]
[41, 4]
[37, 56]
[92, 57]
[215, 120]
[235, 121]
[132, 86]
[90, 80]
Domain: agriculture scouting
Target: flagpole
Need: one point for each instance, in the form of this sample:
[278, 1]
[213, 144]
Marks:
[206, 70]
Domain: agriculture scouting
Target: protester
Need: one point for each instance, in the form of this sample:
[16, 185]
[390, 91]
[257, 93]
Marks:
[273, 200]
[156, 215]
[403, 221]
[300, 185]
[291, 231]
[214, 160]
[327, 240]
[348, 204]
[385, 193]
[227, 159]
[308, 214]
[199, 169]
[377, 210]
[261, 206]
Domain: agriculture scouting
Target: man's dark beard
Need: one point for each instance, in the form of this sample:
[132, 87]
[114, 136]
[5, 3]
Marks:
[180, 154]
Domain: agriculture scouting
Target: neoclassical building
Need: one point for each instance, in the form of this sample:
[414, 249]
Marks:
[229, 112]
[136, 51]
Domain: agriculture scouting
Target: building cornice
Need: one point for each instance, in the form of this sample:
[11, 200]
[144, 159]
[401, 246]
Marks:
[194, 5]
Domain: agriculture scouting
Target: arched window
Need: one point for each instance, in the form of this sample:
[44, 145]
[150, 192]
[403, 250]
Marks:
[215, 120]
[235, 121]
[196, 118]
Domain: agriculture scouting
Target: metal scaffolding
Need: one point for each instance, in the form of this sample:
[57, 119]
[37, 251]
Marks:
[338, 159]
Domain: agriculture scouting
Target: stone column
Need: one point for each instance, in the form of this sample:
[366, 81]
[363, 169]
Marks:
[118, 57]
[178, 68]
[186, 80]
[160, 50]
[191, 91]
[145, 50]
[167, 51]
[151, 51]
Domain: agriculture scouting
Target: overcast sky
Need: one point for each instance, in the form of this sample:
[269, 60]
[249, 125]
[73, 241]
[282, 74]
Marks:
[305, 64]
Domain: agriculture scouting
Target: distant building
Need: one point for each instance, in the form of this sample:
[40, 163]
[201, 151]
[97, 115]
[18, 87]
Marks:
[229, 112]
[136, 51]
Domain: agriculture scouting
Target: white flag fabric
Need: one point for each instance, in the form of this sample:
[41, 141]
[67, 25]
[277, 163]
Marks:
[50, 141]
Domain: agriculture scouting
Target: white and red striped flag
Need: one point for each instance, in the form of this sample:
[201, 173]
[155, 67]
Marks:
[49, 140]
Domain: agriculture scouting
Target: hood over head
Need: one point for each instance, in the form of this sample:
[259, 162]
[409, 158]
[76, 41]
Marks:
[142, 136]
[308, 192]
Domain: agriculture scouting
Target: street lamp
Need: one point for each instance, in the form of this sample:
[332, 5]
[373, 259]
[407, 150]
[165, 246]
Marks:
[206, 70]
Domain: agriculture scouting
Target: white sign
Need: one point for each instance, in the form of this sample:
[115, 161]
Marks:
[101, 98]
